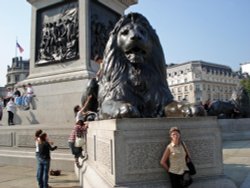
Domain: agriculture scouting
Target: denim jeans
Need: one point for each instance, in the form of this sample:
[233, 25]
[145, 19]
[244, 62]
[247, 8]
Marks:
[76, 151]
[29, 100]
[38, 170]
[43, 174]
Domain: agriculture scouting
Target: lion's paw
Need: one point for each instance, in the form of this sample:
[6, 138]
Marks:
[116, 109]
[127, 111]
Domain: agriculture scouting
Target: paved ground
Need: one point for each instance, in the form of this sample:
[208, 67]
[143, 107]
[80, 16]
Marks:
[236, 157]
[21, 177]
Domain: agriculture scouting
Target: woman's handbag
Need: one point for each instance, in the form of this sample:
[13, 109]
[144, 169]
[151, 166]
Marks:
[187, 179]
[191, 167]
[189, 162]
[79, 142]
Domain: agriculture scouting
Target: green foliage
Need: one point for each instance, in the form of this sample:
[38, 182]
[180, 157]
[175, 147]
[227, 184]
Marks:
[246, 84]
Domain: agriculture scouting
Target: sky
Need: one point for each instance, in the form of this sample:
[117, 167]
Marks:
[216, 31]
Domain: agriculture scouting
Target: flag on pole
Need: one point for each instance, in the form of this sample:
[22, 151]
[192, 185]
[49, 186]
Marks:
[19, 47]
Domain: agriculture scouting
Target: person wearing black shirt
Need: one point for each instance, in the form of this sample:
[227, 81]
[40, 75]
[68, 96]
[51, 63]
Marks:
[44, 160]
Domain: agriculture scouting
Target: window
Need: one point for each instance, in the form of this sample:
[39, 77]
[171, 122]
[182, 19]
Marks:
[208, 96]
[179, 98]
[185, 80]
[186, 88]
[190, 87]
[17, 78]
[198, 98]
[197, 75]
[197, 86]
[186, 97]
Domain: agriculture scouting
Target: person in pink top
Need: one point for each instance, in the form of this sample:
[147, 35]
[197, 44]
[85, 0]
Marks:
[79, 130]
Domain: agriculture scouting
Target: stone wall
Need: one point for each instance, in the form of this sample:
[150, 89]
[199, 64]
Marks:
[127, 152]
[235, 129]
[17, 145]
[23, 136]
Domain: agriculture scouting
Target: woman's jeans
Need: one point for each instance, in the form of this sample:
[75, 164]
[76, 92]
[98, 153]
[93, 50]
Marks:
[43, 172]
[175, 180]
[10, 118]
[37, 167]
[76, 151]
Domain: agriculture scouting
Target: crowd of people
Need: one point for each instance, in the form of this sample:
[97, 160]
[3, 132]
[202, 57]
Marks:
[14, 99]
[21, 99]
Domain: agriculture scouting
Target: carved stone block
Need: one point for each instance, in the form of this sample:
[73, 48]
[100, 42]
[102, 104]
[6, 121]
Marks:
[6, 139]
[25, 140]
[127, 152]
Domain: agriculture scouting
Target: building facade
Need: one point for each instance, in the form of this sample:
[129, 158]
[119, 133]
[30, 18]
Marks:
[2, 91]
[198, 81]
[18, 71]
[245, 68]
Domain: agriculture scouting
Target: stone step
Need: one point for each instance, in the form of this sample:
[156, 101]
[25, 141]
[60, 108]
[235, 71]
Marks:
[21, 117]
[62, 160]
[17, 145]
[33, 117]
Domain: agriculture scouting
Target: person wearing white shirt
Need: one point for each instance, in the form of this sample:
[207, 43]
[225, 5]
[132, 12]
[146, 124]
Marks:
[9, 94]
[29, 95]
[11, 108]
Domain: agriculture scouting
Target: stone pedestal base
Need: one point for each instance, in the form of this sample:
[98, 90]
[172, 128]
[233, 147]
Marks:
[127, 153]
[56, 95]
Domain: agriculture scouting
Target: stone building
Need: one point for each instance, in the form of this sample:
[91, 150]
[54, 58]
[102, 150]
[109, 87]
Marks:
[245, 68]
[2, 91]
[197, 81]
[18, 71]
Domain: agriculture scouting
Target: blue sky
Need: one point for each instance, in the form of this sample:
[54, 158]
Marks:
[216, 31]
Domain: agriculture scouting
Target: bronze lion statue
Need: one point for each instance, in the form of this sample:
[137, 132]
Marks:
[133, 81]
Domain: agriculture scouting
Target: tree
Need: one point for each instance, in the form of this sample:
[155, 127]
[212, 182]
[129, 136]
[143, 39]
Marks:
[246, 84]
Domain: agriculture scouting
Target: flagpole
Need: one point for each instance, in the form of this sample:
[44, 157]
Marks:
[16, 48]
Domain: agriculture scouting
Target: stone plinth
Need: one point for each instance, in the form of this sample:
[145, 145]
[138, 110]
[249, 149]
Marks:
[235, 129]
[127, 152]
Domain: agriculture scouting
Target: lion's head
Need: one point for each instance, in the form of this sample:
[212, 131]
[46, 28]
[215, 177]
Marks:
[133, 82]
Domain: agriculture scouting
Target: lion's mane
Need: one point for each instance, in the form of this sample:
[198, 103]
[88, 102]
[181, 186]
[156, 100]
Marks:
[141, 85]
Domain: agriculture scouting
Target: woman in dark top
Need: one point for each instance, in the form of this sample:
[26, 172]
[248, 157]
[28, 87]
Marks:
[44, 160]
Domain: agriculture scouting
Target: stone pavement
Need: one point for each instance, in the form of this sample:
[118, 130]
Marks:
[24, 177]
[236, 157]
